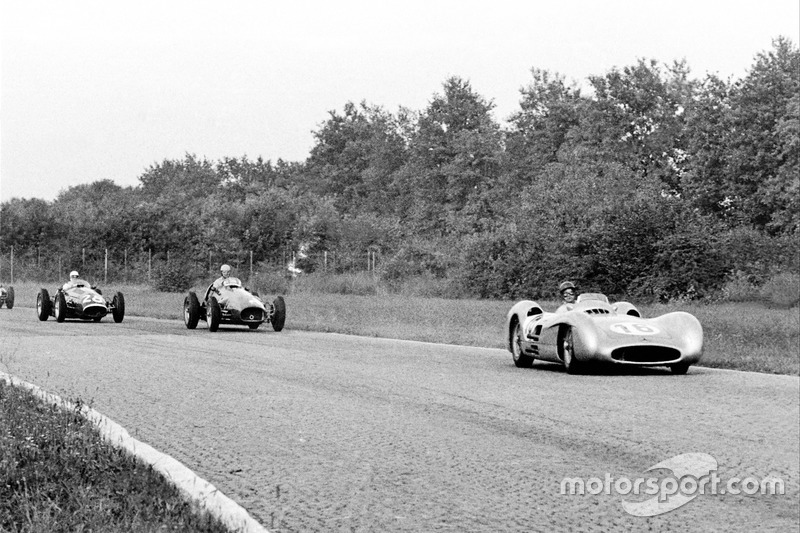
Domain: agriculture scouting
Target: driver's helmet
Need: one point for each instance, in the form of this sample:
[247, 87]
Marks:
[566, 285]
[73, 275]
[226, 270]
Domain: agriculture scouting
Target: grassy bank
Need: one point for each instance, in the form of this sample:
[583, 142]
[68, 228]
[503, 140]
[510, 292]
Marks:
[56, 474]
[740, 336]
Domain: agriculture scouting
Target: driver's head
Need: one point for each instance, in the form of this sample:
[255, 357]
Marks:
[73, 275]
[568, 293]
[226, 270]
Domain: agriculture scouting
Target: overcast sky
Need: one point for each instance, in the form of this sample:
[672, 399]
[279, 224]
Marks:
[93, 90]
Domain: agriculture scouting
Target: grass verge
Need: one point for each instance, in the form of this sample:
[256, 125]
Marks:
[738, 335]
[57, 474]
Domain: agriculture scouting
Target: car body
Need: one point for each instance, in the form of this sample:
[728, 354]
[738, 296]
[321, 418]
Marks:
[592, 330]
[7, 296]
[78, 299]
[232, 303]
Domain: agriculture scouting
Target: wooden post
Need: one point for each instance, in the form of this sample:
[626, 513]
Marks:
[125, 263]
[12, 264]
[251, 266]
[325, 261]
[105, 269]
[149, 263]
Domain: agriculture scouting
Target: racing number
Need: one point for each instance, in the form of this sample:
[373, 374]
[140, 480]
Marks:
[633, 328]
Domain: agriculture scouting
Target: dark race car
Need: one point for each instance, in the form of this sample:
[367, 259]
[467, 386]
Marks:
[79, 300]
[7, 296]
[232, 304]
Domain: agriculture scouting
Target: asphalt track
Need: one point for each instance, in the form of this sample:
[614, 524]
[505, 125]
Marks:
[326, 432]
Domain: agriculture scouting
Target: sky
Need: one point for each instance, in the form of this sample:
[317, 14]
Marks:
[93, 90]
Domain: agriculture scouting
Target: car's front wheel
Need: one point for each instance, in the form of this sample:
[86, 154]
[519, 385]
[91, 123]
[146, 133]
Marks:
[43, 305]
[60, 307]
[571, 363]
[213, 314]
[10, 298]
[191, 310]
[119, 307]
[279, 314]
[520, 359]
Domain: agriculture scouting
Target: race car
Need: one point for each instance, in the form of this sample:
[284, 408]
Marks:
[232, 303]
[79, 300]
[7, 296]
[592, 330]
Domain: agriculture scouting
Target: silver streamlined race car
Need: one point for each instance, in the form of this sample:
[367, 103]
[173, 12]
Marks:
[232, 304]
[79, 300]
[7, 296]
[593, 330]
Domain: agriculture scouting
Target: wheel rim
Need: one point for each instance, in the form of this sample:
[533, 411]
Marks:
[186, 313]
[568, 349]
[58, 306]
[516, 346]
[39, 305]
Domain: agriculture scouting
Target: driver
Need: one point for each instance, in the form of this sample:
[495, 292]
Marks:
[73, 279]
[225, 270]
[568, 294]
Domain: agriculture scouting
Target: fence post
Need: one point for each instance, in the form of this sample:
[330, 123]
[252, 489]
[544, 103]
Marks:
[149, 263]
[125, 262]
[251, 266]
[105, 269]
[83, 259]
[12, 264]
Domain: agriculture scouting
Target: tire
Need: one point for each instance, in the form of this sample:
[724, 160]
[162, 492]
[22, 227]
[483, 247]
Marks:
[679, 368]
[119, 307]
[43, 305]
[279, 314]
[10, 298]
[571, 363]
[213, 314]
[253, 326]
[520, 359]
[191, 310]
[60, 307]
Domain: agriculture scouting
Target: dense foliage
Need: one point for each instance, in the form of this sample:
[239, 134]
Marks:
[649, 182]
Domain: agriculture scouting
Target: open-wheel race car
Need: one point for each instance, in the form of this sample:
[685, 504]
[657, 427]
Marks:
[7, 296]
[231, 303]
[78, 299]
[595, 331]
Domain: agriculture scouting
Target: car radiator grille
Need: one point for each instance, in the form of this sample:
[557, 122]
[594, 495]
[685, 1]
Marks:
[646, 354]
[252, 314]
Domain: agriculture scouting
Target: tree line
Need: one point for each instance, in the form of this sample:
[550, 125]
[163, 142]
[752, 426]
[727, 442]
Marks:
[646, 182]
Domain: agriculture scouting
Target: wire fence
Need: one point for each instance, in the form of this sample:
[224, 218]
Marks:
[109, 265]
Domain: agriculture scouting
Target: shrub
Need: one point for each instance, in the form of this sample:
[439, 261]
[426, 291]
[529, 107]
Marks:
[172, 277]
[782, 289]
[271, 282]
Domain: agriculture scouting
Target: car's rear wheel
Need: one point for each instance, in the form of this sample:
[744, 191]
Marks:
[571, 363]
[43, 305]
[119, 307]
[191, 310]
[521, 360]
[60, 307]
[679, 368]
[279, 314]
[213, 314]
[10, 297]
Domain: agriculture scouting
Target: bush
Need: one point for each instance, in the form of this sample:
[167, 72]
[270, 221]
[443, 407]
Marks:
[270, 281]
[172, 277]
[782, 290]
[360, 283]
